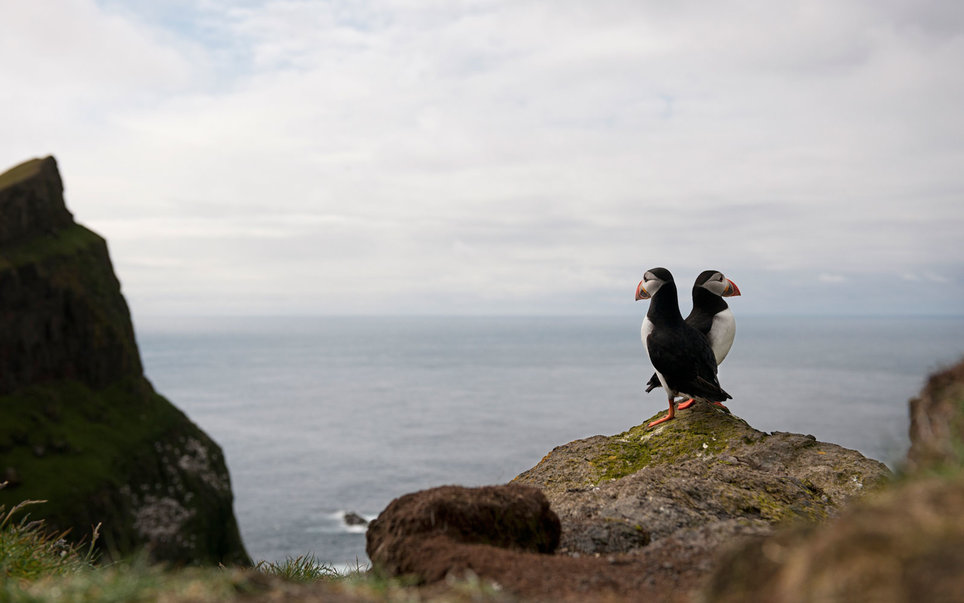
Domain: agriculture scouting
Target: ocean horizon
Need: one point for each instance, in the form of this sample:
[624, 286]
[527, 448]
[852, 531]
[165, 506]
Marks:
[320, 416]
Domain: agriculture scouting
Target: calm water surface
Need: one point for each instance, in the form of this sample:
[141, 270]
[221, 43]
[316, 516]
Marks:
[319, 416]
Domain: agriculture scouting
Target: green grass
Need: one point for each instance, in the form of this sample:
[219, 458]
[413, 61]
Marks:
[68, 441]
[37, 565]
[65, 242]
[133, 581]
[304, 568]
[19, 172]
[29, 552]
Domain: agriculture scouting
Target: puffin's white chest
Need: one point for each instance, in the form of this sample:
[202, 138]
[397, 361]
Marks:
[644, 332]
[721, 334]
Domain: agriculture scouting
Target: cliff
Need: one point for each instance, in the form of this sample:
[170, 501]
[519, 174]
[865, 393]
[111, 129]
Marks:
[80, 425]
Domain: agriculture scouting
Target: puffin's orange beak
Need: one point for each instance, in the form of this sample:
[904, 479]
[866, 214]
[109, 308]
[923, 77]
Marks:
[642, 294]
[731, 289]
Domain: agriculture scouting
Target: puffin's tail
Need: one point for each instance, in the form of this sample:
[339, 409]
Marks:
[709, 390]
[653, 383]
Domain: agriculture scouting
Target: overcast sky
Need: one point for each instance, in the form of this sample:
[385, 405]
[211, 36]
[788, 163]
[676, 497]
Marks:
[487, 156]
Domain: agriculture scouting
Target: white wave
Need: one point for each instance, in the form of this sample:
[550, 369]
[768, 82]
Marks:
[337, 524]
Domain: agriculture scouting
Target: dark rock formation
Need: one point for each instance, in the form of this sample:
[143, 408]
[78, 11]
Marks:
[354, 519]
[62, 316]
[903, 544]
[80, 425]
[31, 201]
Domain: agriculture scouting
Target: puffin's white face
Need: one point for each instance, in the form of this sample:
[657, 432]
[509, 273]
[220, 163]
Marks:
[720, 285]
[648, 286]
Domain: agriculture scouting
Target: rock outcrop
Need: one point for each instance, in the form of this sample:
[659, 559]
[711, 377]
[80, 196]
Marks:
[707, 474]
[644, 514]
[80, 425]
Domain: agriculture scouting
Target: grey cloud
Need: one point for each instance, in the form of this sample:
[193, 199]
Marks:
[476, 157]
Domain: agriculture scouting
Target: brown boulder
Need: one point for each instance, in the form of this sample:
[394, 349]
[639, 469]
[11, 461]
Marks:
[500, 536]
[512, 517]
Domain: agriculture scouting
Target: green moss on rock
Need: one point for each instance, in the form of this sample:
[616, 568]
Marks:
[19, 173]
[705, 435]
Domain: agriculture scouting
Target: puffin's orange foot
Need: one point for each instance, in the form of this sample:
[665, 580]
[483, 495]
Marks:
[658, 421]
[687, 404]
[720, 404]
[669, 415]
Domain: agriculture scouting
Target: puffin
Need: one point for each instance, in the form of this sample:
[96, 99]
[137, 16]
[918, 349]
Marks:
[710, 316]
[681, 355]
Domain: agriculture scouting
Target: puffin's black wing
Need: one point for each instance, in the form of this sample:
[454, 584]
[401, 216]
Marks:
[670, 356]
[703, 388]
[684, 358]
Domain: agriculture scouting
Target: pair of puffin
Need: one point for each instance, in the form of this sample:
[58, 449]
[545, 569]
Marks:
[686, 353]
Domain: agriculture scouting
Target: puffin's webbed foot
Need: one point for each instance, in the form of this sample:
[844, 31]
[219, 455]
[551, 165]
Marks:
[669, 415]
[658, 421]
[692, 401]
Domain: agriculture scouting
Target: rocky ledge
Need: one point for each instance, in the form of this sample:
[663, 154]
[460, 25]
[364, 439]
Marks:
[644, 514]
[703, 477]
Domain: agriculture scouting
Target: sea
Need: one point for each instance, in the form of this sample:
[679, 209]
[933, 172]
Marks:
[323, 416]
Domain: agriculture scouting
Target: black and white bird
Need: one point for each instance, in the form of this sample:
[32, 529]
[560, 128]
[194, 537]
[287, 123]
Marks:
[710, 316]
[681, 355]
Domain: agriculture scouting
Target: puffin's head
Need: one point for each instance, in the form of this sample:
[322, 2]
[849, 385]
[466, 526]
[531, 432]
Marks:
[652, 281]
[717, 284]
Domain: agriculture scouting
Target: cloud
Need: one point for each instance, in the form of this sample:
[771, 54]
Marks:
[825, 277]
[436, 154]
[936, 278]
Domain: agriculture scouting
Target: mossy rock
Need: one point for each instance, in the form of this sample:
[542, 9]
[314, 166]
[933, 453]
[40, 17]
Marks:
[123, 457]
[705, 467]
